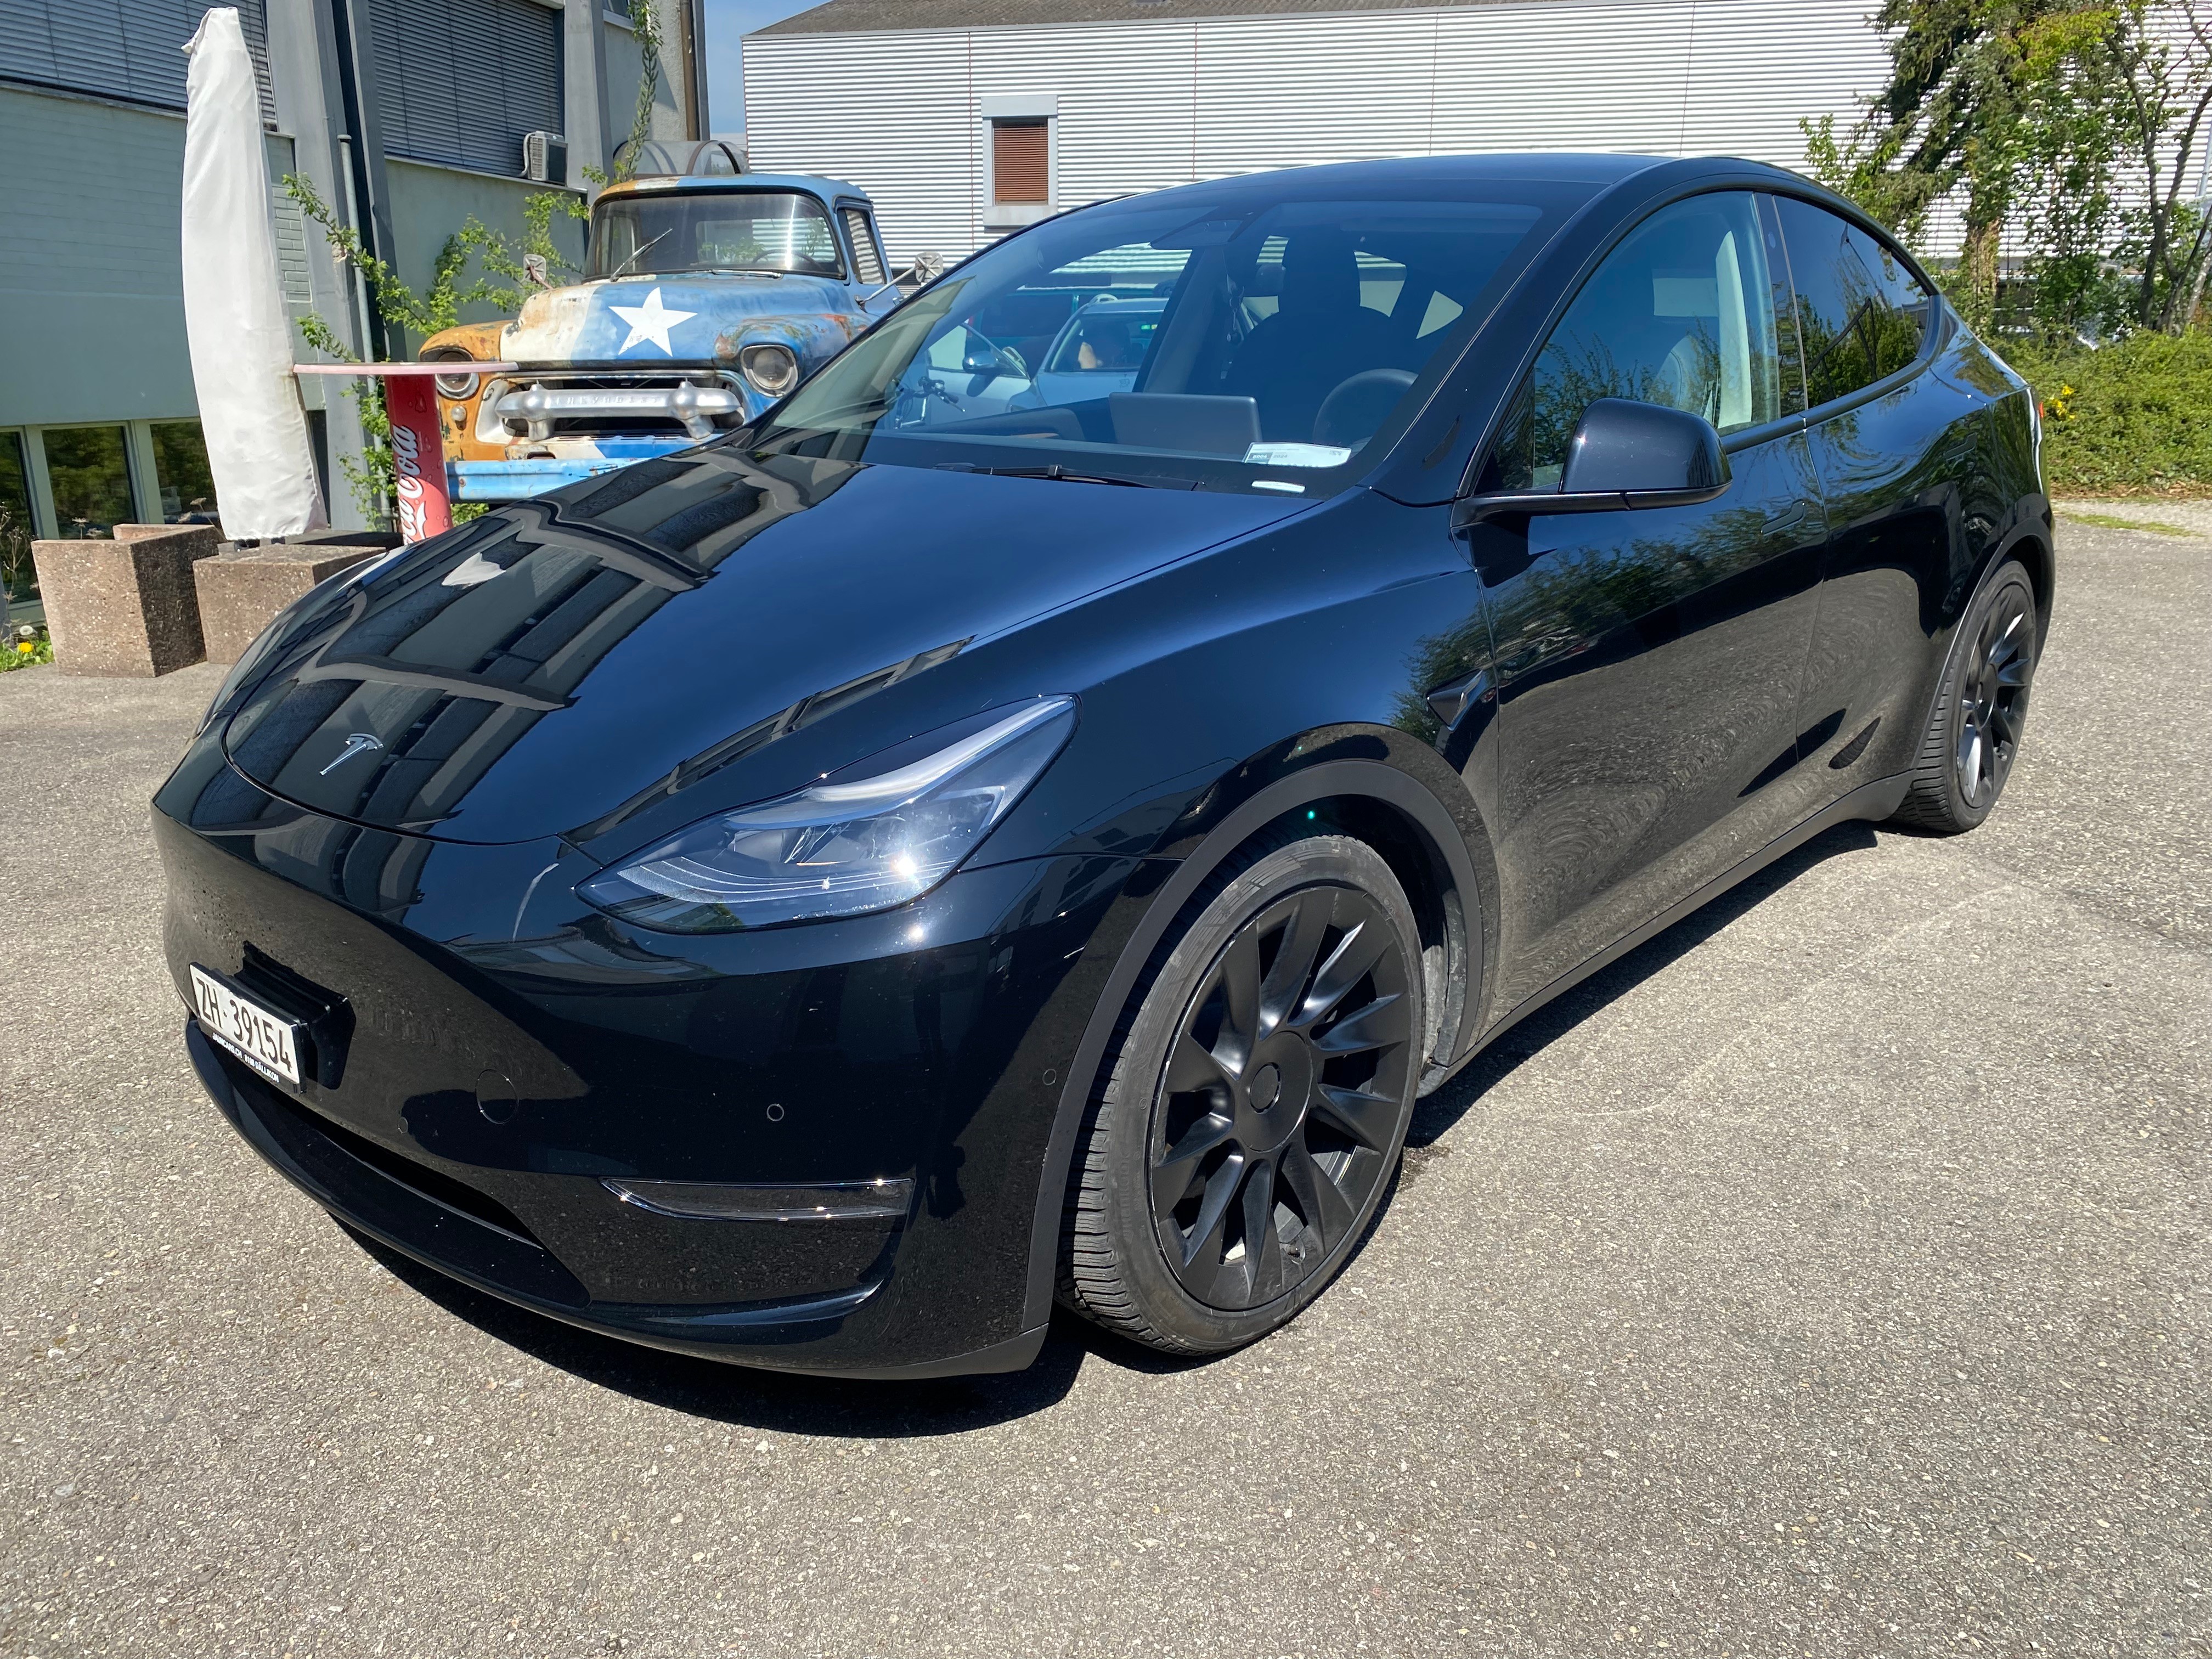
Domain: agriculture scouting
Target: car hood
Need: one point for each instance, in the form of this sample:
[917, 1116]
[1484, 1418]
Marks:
[536, 669]
[648, 321]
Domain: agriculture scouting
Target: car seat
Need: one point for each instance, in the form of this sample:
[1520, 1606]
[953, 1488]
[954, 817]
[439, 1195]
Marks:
[1318, 336]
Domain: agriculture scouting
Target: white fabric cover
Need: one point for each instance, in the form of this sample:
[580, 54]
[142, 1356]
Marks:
[241, 341]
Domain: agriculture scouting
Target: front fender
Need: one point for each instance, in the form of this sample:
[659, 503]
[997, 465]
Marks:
[1340, 765]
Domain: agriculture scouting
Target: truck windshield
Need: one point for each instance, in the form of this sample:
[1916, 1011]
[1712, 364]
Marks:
[658, 236]
[1252, 340]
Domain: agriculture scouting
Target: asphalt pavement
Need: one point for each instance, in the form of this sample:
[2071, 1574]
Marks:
[1829, 1276]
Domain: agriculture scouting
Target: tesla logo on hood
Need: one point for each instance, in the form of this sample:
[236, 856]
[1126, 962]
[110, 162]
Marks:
[359, 744]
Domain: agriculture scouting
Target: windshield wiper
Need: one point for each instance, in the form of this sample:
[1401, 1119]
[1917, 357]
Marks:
[638, 251]
[1058, 474]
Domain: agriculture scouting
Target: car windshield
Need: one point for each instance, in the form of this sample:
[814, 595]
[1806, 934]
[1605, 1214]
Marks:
[1263, 343]
[720, 230]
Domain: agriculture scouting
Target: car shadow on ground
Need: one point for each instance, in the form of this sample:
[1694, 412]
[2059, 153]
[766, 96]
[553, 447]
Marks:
[786, 1402]
[1434, 1116]
[783, 1402]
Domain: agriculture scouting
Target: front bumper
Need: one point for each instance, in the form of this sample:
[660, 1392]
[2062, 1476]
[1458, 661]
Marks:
[517, 481]
[474, 1084]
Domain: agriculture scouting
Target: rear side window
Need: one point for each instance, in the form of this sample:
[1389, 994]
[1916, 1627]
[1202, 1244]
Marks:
[1862, 314]
[1683, 313]
[867, 259]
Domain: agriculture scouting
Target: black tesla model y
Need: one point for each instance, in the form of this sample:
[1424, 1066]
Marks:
[1024, 820]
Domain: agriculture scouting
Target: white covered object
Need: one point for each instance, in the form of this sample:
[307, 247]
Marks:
[241, 341]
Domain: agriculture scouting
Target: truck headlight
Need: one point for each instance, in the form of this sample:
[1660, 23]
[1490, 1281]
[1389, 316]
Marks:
[839, 849]
[461, 383]
[773, 369]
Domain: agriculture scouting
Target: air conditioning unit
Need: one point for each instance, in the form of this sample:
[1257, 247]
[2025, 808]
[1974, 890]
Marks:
[545, 158]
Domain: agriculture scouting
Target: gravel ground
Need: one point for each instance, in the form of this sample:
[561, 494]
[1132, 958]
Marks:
[1827, 1278]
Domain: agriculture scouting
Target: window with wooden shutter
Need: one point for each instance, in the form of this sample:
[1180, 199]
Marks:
[1021, 160]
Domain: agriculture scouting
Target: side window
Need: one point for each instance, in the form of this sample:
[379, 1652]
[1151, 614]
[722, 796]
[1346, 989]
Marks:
[1862, 313]
[1683, 313]
[867, 258]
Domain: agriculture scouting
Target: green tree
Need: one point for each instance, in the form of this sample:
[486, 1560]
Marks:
[1952, 117]
[2154, 86]
[2069, 124]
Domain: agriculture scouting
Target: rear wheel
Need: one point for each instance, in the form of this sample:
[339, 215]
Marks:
[1256, 1106]
[1981, 708]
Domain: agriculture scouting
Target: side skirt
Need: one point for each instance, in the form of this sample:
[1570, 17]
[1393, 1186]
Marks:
[1876, 800]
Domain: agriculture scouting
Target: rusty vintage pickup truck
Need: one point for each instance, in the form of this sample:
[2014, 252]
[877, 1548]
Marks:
[705, 298]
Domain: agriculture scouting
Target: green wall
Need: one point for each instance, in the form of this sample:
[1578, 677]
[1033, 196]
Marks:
[92, 318]
[430, 203]
[92, 321]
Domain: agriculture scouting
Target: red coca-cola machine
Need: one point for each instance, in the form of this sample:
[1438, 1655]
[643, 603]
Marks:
[418, 444]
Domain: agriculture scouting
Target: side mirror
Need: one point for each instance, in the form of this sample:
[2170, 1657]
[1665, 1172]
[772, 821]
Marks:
[987, 360]
[1624, 455]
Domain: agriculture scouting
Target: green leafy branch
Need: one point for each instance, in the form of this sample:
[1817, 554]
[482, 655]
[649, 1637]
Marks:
[522, 266]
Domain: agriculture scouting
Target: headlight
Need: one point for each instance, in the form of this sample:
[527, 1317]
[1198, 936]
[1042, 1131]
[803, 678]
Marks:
[839, 849]
[773, 369]
[459, 384]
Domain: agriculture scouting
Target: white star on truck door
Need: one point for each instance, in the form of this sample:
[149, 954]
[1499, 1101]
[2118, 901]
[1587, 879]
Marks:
[650, 321]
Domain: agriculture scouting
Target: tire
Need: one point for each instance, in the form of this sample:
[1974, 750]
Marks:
[1980, 710]
[1261, 1089]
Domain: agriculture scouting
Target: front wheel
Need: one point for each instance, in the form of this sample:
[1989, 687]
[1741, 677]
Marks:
[1256, 1106]
[1981, 710]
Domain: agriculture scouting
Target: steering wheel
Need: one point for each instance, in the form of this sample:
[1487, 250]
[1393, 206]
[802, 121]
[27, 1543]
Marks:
[1360, 403]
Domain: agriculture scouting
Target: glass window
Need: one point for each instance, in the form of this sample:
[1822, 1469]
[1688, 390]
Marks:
[1108, 337]
[1864, 315]
[90, 470]
[867, 258]
[1149, 344]
[17, 572]
[661, 235]
[180, 473]
[1683, 313]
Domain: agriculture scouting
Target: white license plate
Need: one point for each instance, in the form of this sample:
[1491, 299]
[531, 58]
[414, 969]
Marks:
[268, 1043]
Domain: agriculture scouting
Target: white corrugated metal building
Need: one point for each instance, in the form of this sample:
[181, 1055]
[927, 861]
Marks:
[965, 118]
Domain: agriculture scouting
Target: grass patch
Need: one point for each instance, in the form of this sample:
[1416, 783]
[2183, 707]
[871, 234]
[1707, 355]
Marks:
[2113, 521]
[25, 647]
[2129, 419]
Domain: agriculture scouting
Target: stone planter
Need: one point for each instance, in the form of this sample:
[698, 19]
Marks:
[240, 594]
[125, 607]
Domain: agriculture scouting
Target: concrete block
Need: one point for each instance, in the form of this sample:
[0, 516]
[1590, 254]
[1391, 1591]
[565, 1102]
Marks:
[125, 607]
[240, 594]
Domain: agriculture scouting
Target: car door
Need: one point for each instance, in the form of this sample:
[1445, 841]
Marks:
[1895, 448]
[1647, 660]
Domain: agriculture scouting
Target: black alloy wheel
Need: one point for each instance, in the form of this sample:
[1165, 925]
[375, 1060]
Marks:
[1258, 1107]
[1993, 700]
[1974, 730]
[1281, 1097]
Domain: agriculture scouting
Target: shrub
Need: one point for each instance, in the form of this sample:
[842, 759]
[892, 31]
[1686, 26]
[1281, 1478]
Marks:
[2131, 418]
